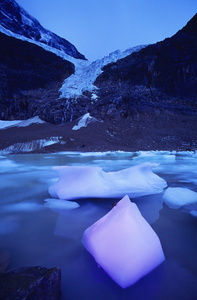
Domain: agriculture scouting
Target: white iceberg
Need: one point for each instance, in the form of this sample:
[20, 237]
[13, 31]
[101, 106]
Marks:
[124, 244]
[92, 182]
[176, 197]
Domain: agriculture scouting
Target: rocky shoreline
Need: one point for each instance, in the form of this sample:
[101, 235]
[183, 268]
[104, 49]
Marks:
[140, 133]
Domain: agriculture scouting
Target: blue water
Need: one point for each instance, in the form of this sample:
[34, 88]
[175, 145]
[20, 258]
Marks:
[35, 235]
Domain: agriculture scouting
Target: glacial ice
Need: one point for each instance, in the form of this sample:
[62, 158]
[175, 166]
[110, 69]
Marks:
[124, 244]
[30, 146]
[176, 197]
[88, 182]
[86, 73]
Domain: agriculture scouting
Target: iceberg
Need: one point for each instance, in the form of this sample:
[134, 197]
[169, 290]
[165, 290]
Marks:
[124, 244]
[77, 182]
[176, 197]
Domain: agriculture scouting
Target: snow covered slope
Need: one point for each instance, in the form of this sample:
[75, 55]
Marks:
[15, 21]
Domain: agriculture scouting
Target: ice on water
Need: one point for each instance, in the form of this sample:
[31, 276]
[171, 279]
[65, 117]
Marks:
[60, 205]
[176, 197]
[88, 182]
[124, 244]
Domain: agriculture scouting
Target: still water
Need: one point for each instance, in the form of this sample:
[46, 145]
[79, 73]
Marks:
[35, 235]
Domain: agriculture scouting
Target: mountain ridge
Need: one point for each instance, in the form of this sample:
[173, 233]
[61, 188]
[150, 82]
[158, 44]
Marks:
[14, 18]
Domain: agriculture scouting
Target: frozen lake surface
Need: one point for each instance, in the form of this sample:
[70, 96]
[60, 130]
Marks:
[38, 234]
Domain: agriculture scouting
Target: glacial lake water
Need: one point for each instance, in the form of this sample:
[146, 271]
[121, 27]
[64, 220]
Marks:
[35, 235]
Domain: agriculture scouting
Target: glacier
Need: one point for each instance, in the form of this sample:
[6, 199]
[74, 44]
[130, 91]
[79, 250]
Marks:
[124, 244]
[86, 73]
[77, 182]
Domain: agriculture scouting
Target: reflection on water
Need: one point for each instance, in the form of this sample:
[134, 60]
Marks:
[34, 234]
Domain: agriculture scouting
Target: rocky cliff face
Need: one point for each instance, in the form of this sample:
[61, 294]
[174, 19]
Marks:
[160, 77]
[30, 78]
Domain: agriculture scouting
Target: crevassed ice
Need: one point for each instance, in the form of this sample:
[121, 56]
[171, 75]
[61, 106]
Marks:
[86, 73]
[77, 182]
[124, 244]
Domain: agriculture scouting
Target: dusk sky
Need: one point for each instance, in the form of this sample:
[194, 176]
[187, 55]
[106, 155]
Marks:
[98, 27]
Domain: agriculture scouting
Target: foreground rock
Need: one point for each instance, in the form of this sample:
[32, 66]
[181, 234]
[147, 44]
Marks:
[30, 283]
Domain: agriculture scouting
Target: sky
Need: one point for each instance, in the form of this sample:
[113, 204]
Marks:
[99, 27]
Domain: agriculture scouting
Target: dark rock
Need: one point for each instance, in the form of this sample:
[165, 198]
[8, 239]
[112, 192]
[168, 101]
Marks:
[161, 76]
[4, 260]
[30, 78]
[34, 283]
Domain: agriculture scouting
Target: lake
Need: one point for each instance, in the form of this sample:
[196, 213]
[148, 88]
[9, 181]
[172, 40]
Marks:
[36, 235]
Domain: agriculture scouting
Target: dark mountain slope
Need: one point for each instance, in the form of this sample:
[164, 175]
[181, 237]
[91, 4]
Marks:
[27, 74]
[162, 76]
[14, 18]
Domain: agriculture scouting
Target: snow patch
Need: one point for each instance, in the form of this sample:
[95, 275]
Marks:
[34, 120]
[77, 182]
[84, 121]
[124, 244]
[20, 123]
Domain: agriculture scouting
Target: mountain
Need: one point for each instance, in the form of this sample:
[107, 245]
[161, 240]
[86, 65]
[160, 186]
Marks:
[14, 20]
[161, 77]
[30, 77]
[34, 62]
[144, 98]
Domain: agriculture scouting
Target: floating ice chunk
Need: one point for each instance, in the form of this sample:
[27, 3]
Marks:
[57, 204]
[124, 244]
[177, 197]
[86, 182]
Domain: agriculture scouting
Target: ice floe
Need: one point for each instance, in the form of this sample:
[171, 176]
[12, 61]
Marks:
[124, 244]
[57, 204]
[176, 197]
[87, 182]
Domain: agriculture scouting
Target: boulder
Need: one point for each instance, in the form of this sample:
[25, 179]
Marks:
[30, 283]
